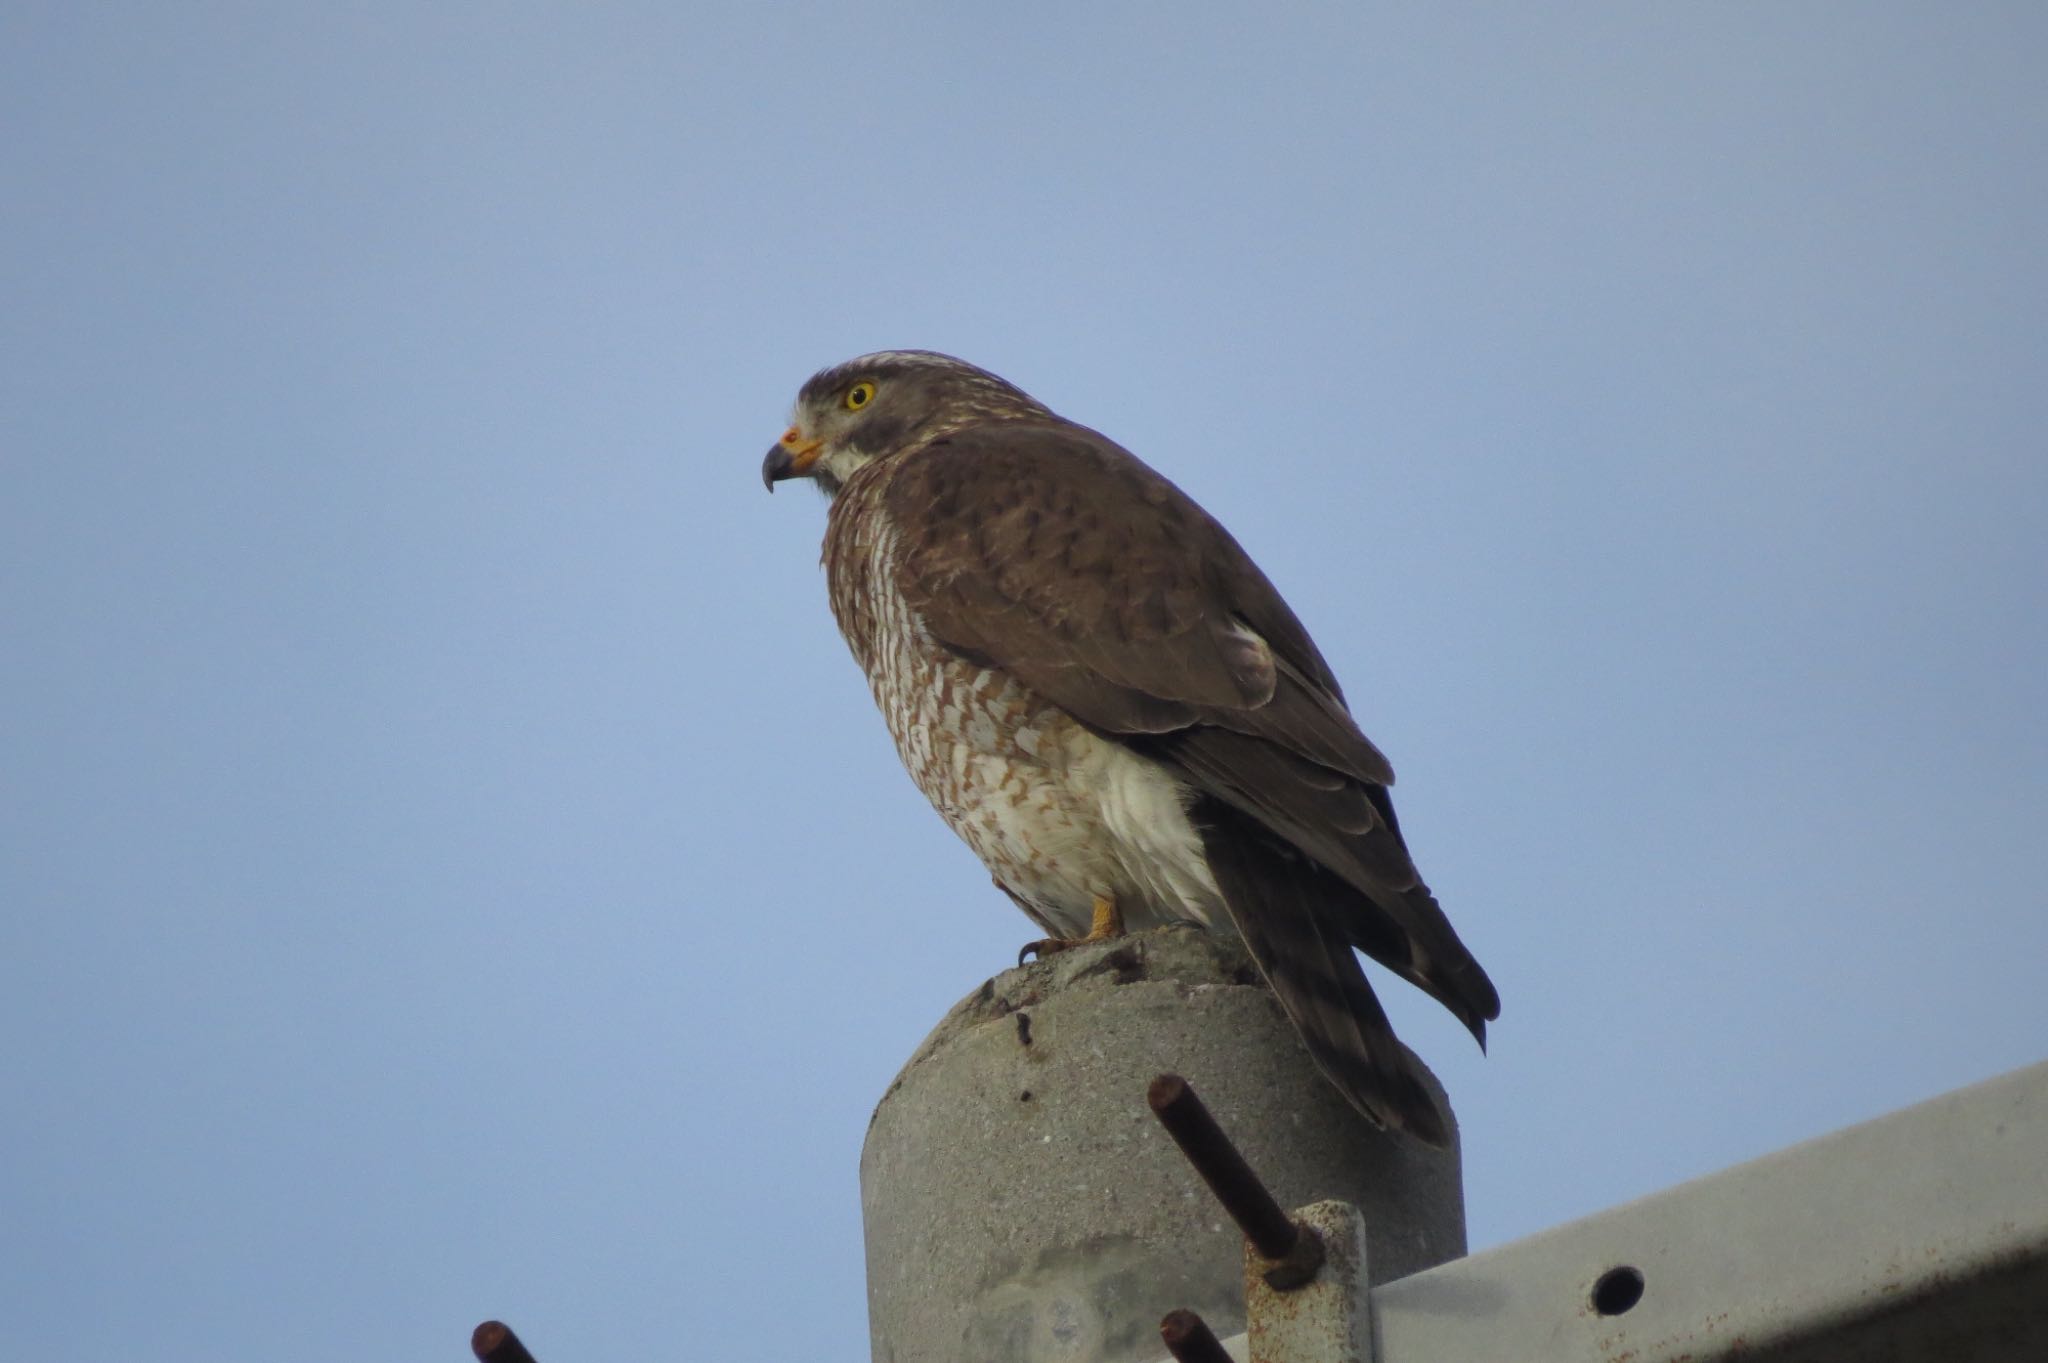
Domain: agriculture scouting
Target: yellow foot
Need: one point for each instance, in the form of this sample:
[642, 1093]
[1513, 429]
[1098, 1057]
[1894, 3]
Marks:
[1107, 924]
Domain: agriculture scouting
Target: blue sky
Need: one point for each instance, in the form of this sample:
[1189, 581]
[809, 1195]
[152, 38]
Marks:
[449, 866]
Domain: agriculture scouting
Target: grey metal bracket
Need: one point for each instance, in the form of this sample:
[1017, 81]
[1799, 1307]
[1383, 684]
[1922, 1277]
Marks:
[1920, 1237]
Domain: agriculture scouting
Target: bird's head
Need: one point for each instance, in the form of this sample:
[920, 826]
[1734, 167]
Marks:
[881, 405]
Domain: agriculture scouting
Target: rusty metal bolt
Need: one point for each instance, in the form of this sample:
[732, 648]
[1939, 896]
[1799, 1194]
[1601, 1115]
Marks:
[494, 1342]
[1296, 1252]
[1190, 1340]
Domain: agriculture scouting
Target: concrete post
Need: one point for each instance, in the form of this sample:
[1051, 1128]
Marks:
[1021, 1204]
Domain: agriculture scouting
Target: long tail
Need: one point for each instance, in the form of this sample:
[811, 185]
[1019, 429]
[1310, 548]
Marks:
[1291, 913]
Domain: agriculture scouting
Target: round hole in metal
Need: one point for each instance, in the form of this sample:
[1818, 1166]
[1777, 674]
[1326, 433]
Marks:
[1618, 1290]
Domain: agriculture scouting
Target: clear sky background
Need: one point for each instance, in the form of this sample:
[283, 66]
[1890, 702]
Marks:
[449, 866]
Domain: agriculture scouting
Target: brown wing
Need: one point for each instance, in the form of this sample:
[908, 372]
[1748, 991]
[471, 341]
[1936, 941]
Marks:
[1051, 551]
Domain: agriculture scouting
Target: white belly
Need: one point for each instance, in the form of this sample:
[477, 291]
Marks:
[1091, 819]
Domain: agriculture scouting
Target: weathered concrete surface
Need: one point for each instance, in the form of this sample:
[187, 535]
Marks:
[1021, 1204]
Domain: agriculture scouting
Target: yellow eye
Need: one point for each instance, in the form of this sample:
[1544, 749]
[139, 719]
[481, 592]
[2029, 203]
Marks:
[859, 396]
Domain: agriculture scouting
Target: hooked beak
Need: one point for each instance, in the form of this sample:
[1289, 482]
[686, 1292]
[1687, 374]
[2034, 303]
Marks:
[790, 457]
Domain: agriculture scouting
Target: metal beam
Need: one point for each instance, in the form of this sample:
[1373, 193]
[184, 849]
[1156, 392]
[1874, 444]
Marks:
[1920, 1237]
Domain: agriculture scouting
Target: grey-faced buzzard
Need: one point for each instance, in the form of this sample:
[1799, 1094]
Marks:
[1109, 702]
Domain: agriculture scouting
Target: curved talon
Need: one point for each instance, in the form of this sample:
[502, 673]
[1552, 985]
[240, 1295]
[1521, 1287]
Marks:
[1106, 924]
[1053, 946]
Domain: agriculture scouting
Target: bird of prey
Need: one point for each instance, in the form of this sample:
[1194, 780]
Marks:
[1103, 695]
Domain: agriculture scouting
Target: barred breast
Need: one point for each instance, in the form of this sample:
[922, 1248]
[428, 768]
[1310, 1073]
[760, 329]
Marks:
[1057, 813]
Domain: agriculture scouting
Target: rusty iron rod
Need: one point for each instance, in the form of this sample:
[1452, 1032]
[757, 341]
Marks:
[494, 1342]
[1190, 1340]
[1271, 1230]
